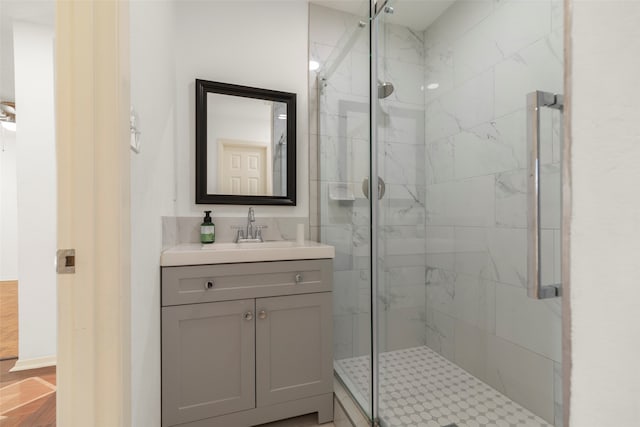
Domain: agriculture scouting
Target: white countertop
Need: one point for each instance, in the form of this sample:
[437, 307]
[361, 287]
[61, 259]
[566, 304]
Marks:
[225, 253]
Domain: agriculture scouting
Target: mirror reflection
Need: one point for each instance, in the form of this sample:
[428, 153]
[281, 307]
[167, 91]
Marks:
[246, 146]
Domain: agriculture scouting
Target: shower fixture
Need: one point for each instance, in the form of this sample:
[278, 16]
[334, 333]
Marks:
[384, 89]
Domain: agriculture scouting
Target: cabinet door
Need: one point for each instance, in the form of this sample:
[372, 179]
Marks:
[293, 347]
[208, 360]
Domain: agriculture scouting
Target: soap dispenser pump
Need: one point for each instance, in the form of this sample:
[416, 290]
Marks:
[207, 229]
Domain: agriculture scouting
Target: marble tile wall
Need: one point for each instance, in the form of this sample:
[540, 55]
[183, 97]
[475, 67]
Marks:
[485, 57]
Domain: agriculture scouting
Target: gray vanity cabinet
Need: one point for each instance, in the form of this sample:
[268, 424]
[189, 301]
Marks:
[293, 334]
[202, 345]
[251, 347]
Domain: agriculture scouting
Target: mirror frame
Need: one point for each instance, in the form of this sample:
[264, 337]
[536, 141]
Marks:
[204, 87]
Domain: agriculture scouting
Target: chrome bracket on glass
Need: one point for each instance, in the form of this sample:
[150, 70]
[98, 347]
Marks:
[535, 101]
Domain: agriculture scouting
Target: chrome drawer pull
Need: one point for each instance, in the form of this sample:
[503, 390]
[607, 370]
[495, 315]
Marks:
[248, 315]
[209, 285]
[298, 278]
[262, 314]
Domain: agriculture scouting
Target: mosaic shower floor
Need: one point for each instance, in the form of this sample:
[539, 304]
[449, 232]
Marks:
[420, 388]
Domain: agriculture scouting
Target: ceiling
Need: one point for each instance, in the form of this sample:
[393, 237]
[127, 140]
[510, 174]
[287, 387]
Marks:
[415, 14]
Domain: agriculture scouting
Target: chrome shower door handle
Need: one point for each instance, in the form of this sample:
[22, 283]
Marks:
[381, 187]
[535, 101]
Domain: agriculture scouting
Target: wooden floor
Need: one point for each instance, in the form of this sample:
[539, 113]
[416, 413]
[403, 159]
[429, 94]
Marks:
[8, 320]
[27, 398]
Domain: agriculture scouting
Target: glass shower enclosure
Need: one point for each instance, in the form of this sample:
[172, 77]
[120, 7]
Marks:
[447, 270]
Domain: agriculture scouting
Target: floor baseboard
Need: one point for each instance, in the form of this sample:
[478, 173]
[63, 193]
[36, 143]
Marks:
[34, 363]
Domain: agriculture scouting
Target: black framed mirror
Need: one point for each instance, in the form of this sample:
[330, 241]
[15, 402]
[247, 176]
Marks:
[245, 145]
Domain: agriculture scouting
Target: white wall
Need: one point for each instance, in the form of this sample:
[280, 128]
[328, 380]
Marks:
[36, 184]
[261, 44]
[605, 224]
[8, 207]
[251, 43]
[152, 194]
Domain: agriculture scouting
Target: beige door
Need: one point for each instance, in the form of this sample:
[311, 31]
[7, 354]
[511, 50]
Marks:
[245, 169]
[92, 138]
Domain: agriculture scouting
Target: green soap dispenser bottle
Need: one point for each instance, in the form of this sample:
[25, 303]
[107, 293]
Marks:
[207, 229]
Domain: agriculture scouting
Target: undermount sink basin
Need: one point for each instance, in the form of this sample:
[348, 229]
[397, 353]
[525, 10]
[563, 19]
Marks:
[224, 253]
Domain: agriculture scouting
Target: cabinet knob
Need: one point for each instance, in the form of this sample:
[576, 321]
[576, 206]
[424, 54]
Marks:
[248, 315]
[209, 285]
[298, 278]
[262, 314]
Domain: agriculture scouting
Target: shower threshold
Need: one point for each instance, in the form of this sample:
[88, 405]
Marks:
[418, 387]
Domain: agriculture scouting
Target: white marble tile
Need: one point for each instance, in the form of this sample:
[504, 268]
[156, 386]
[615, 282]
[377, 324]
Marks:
[517, 24]
[471, 250]
[401, 123]
[402, 44]
[405, 205]
[405, 328]
[406, 246]
[471, 349]
[440, 333]
[536, 67]
[457, 20]
[360, 74]
[440, 247]
[320, 52]
[483, 150]
[342, 337]
[475, 52]
[404, 164]
[511, 199]
[521, 375]
[557, 14]
[345, 292]
[492, 253]
[512, 129]
[405, 296]
[474, 301]
[507, 256]
[449, 203]
[472, 102]
[439, 166]
[399, 279]
[532, 324]
[407, 79]
[440, 121]
[333, 212]
[362, 334]
[440, 290]
[438, 70]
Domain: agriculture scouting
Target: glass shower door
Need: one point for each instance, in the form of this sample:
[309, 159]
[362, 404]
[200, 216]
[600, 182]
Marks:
[459, 341]
[340, 44]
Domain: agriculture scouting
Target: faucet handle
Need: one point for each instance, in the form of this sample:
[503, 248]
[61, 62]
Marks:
[259, 229]
[239, 234]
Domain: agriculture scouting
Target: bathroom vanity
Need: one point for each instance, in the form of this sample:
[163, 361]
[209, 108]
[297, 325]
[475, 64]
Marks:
[246, 333]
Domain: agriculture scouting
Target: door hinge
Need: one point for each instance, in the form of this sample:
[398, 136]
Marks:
[66, 261]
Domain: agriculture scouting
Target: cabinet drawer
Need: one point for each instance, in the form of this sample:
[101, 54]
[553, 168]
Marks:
[223, 282]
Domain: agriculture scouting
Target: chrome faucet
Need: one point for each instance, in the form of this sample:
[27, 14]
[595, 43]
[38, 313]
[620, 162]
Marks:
[251, 218]
[251, 233]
